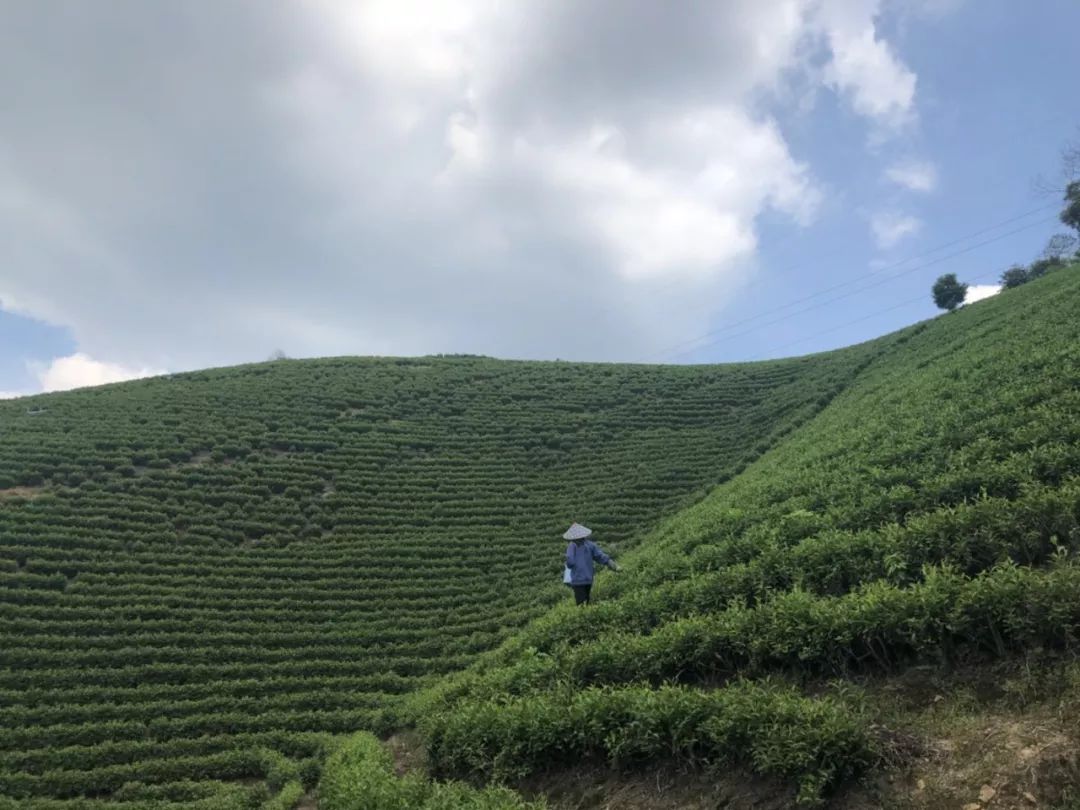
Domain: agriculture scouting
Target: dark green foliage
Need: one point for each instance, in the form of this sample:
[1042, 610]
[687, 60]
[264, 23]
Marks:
[359, 776]
[770, 729]
[1040, 267]
[179, 795]
[1061, 246]
[1071, 215]
[1014, 277]
[948, 292]
[878, 627]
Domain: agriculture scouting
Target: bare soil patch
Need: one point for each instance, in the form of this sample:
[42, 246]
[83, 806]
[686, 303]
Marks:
[408, 752]
[996, 737]
[667, 788]
[24, 493]
[995, 763]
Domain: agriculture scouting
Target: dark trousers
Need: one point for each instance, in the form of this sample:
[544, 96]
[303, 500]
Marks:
[581, 594]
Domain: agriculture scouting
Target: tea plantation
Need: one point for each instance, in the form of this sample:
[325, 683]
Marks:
[929, 517]
[205, 577]
[210, 582]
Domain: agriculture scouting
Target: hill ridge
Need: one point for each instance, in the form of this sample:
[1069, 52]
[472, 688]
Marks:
[228, 562]
[801, 569]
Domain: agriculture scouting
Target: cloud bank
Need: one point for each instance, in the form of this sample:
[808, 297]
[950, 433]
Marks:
[78, 371]
[977, 292]
[184, 187]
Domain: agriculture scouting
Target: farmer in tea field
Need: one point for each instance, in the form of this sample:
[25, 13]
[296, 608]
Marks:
[580, 555]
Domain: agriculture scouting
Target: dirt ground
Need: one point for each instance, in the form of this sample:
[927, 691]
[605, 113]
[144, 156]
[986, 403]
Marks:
[666, 788]
[26, 493]
[991, 736]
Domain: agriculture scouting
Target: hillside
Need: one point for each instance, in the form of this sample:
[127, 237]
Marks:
[204, 576]
[848, 578]
[891, 591]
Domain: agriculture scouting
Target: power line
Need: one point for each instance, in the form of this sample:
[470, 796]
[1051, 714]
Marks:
[864, 288]
[901, 305]
[862, 279]
[1009, 134]
[939, 260]
[904, 261]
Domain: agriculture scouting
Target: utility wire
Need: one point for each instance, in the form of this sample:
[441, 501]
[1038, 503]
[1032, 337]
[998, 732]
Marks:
[672, 352]
[863, 278]
[901, 305]
[1011, 136]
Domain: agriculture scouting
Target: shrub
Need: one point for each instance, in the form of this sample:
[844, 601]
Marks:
[286, 798]
[1014, 277]
[360, 776]
[948, 292]
[1071, 215]
[766, 727]
[1040, 267]
[1060, 245]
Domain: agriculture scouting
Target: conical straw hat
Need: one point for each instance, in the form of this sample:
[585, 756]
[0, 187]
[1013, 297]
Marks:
[577, 532]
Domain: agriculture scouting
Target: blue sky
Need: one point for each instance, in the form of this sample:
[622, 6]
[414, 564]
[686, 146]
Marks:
[602, 181]
[994, 112]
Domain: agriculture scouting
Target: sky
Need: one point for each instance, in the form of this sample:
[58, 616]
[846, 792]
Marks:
[194, 184]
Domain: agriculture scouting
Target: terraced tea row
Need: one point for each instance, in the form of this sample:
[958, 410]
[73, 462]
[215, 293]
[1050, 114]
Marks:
[197, 569]
[930, 514]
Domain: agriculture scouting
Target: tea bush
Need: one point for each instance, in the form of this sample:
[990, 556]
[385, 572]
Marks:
[360, 776]
[768, 728]
[198, 568]
[930, 513]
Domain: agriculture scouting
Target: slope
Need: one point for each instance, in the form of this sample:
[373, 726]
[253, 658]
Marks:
[203, 576]
[930, 516]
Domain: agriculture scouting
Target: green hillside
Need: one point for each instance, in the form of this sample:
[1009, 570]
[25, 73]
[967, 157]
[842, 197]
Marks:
[204, 576]
[835, 568]
[924, 524]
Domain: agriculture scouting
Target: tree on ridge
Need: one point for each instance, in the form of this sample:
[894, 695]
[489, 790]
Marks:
[949, 293]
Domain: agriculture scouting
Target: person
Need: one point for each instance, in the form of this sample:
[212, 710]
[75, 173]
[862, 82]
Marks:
[580, 555]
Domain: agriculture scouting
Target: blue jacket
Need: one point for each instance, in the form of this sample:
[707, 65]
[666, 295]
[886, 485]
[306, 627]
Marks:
[579, 559]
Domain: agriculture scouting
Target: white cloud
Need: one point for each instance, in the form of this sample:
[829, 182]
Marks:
[891, 227]
[79, 371]
[661, 178]
[669, 217]
[977, 292]
[913, 175]
[341, 177]
[863, 66]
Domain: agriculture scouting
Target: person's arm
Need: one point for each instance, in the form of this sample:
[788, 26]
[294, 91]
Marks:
[570, 555]
[603, 558]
